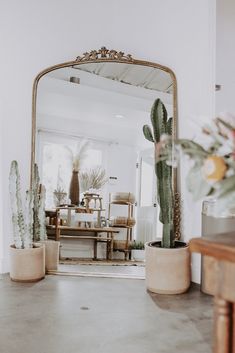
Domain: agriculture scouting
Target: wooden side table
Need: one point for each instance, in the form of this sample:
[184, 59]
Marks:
[221, 247]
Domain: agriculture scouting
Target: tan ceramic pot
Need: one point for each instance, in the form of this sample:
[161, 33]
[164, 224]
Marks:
[27, 265]
[167, 270]
[52, 251]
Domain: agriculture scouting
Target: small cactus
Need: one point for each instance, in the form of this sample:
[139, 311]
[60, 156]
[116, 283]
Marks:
[162, 125]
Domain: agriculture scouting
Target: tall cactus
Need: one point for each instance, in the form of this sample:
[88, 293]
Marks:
[41, 214]
[36, 201]
[16, 205]
[162, 125]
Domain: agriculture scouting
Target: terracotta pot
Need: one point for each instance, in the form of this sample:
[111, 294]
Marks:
[52, 251]
[167, 270]
[27, 265]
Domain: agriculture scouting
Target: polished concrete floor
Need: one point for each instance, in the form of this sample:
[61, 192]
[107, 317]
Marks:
[99, 315]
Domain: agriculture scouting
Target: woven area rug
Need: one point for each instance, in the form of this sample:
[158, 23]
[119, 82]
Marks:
[101, 268]
[74, 261]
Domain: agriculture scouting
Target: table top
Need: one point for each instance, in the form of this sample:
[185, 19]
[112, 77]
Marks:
[220, 246]
[97, 229]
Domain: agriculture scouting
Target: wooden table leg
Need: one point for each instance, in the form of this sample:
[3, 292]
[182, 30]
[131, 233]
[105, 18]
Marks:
[95, 247]
[233, 328]
[222, 326]
[111, 246]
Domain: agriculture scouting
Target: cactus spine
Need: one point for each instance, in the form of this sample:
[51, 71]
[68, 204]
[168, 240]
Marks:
[162, 125]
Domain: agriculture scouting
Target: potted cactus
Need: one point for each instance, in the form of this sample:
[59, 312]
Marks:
[168, 260]
[27, 254]
[27, 259]
[52, 247]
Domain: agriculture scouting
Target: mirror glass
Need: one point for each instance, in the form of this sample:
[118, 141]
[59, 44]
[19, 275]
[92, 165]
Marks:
[101, 107]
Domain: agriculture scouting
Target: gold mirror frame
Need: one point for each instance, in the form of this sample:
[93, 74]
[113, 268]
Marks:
[105, 55]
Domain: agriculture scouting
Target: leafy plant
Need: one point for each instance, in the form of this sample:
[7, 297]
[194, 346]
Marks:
[137, 245]
[213, 168]
[161, 125]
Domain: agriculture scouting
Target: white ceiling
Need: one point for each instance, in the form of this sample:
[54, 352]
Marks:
[90, 108]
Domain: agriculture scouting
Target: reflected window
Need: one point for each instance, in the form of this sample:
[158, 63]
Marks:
[56, 166]
[147, 184]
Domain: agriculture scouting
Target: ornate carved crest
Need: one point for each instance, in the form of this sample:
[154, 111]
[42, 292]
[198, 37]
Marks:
[104, 53]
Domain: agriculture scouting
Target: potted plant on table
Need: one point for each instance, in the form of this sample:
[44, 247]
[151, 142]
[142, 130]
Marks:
[168, 260]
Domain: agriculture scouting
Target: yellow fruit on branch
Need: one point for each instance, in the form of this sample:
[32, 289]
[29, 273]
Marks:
[214, 168]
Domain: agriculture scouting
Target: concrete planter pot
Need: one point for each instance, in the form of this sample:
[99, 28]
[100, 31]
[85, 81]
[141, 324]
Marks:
[167, 270]
[138, 255]
[27, 265]
[52, 251]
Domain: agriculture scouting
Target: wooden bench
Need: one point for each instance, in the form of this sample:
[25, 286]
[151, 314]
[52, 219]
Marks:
[60, 233]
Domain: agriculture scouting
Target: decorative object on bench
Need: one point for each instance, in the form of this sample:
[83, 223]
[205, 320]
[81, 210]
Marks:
[59, 196]
[94, 202]
[76, 161]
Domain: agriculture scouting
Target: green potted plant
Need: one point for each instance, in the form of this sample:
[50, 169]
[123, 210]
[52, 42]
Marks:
[52, 247]
[168, 260]
[137, 250]
[27, 259]
[212, 175]
[31, 252]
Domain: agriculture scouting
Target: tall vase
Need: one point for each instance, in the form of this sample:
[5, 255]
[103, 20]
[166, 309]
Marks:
[74, 189]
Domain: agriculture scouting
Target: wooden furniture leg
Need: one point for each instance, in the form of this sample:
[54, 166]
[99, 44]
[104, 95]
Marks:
[222, 326]
[95, 247]
[111, 247]
[233, 328]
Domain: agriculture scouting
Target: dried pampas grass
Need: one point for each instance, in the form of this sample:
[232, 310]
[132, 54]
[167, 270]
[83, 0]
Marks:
[94, 178]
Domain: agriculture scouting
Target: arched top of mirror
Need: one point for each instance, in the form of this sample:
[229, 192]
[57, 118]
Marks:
[135, 85]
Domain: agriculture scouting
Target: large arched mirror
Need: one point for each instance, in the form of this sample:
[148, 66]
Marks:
[90, 112]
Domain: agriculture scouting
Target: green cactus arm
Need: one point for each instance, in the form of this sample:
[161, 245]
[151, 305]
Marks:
[148, 133]
[16, 205]
[169, 125]
[158, 119]
[28, 237]
[41, 215]
[35, 190]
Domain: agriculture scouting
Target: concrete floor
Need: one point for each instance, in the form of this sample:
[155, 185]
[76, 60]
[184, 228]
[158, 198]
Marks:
[99, 315]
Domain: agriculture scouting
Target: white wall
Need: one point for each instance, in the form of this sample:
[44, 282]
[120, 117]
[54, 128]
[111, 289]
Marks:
[37, 34]
[225, 56]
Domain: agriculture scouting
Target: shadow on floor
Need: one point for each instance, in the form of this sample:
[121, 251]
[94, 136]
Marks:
[187, 304]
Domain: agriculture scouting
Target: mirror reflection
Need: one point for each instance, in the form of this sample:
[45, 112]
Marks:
[93, 159]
